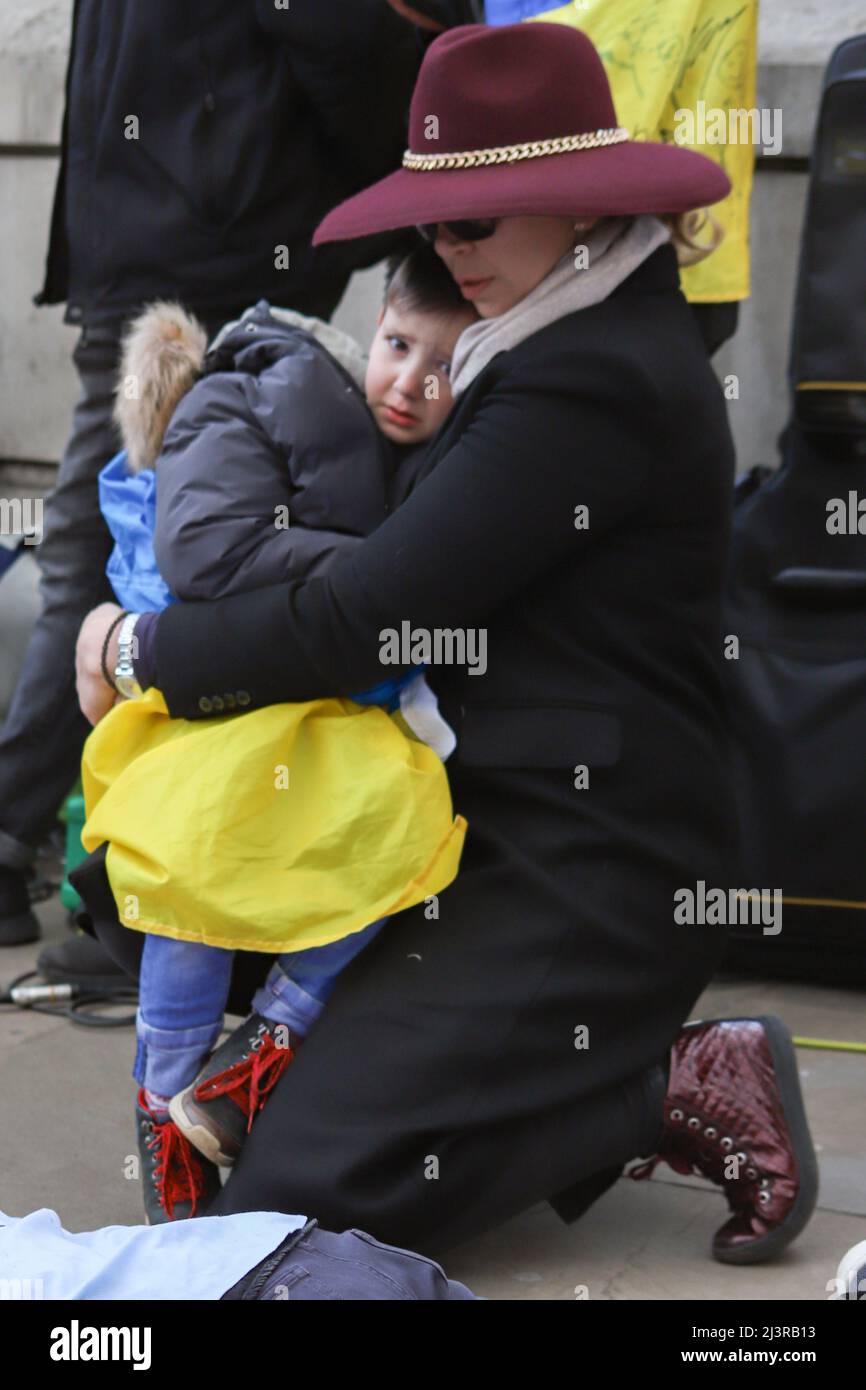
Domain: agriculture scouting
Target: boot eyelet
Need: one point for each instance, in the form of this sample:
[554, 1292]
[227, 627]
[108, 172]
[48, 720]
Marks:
[764, 1196]
[741, 1157]
[727, 1143]
[765, 1182]
[710, 1132]
[694, 1123]
[676, 1116]
[751, 1173]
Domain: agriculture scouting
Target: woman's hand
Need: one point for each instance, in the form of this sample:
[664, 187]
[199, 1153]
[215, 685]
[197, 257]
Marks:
[95, 695]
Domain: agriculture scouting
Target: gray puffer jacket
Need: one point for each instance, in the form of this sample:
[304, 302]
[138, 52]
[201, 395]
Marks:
[276, 421]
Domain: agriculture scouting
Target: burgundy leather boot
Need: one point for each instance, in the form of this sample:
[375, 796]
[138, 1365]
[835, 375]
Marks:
[734, 1113]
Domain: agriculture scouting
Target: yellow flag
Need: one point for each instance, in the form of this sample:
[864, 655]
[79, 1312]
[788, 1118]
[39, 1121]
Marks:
[274, 830]
[664, 57]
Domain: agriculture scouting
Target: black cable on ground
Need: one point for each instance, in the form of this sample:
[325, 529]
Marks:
[76, 1005]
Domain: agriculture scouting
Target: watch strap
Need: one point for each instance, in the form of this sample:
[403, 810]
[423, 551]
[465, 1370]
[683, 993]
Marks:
[103, 661]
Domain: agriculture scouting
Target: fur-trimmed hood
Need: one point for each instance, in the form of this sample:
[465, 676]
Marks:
[164, 352]
[161, 357]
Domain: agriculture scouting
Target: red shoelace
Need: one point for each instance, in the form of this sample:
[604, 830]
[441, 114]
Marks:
[249, 1081]
[178, 1173]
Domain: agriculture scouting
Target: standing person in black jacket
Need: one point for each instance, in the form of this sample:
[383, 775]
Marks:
[202, 142]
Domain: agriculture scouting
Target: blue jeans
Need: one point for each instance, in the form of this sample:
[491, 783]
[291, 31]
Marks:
[182, 992]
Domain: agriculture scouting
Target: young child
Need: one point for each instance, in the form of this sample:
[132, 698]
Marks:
[295, 829]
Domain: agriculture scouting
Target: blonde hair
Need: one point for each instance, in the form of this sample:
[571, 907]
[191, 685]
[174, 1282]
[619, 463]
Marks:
[687, 227]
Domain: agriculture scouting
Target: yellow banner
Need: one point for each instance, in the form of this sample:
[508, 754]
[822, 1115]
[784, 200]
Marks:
[685, 72]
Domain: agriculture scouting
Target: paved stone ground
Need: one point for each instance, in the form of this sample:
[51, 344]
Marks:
[66, 1132]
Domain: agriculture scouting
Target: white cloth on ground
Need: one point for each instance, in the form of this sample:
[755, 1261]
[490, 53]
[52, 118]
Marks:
[198, 1259]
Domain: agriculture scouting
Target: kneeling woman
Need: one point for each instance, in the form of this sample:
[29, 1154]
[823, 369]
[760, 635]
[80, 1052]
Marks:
[516, 1044]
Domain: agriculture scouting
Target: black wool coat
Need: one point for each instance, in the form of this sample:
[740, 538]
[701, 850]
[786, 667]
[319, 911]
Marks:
[488, 1051]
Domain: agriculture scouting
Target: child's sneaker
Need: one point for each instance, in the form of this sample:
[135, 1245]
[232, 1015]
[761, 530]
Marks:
[178, 1182]
[216, 1112]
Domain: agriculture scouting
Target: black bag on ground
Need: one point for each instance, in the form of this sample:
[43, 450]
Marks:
[796, 599]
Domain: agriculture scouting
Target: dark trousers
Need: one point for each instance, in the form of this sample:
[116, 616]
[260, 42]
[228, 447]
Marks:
[41, 741]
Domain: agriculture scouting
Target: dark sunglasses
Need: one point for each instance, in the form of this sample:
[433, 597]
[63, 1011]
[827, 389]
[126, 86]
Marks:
[471, 229]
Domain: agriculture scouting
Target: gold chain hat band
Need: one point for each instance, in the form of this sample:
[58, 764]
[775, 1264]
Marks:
[509, 154]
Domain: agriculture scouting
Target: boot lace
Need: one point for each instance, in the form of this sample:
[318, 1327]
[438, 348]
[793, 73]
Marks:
[694, 1145]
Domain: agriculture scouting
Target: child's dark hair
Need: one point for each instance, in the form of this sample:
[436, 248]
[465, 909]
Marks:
[416, 278]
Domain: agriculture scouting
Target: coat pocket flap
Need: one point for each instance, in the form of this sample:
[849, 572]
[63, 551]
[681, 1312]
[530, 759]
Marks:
[554, 736]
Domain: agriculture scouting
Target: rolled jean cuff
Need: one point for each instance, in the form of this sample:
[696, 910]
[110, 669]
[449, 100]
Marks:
[282, 1000]
[168, 1059]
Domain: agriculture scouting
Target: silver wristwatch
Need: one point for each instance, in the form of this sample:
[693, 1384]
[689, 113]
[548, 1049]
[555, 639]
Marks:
[124, 671]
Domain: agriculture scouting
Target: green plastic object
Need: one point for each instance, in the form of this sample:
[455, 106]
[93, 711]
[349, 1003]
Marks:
[72, 812]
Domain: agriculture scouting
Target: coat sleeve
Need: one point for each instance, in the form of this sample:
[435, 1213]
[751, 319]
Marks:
[496, 515]
[214, 536]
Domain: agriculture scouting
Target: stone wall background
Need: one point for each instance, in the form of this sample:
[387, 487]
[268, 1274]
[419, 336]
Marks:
[796, 38]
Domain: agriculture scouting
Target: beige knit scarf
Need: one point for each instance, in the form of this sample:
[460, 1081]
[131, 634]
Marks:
[615, 247]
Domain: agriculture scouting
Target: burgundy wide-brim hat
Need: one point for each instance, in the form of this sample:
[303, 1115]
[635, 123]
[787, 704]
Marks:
[519, 120]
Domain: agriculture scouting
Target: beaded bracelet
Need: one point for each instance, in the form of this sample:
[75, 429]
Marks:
[109, 678]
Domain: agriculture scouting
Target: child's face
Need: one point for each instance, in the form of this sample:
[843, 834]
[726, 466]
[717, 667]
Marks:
[407, 373]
